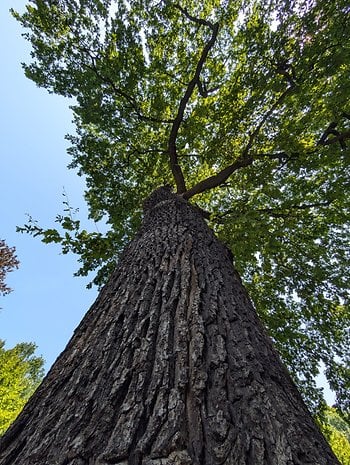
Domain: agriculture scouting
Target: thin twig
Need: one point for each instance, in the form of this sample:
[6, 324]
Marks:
[118, 91]
[255, 133]
[287, 211]
[278, 213]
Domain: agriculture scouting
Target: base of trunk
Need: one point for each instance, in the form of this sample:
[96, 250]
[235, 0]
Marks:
[170, 366]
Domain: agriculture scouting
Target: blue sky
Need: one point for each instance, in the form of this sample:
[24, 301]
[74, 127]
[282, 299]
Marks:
[47, 302]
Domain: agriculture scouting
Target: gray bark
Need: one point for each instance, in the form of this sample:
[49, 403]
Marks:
[169, 366]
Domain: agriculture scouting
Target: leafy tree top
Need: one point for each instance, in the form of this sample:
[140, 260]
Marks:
[243, 107]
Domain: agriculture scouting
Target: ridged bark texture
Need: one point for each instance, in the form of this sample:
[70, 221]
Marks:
[170, 366]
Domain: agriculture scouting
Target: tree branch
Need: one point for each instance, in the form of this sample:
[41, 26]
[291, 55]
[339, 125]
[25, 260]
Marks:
[244, 160]
[118, 91]
[279, 213]
[280, 156]
[255, 133]
[336, 137]
[200, 21]
[284, 214]
[219, 178]
[174, 164]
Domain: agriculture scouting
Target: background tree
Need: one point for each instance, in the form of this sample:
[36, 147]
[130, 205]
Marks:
[20, 374]
[20, 371]
[8, 262]
[337, 432]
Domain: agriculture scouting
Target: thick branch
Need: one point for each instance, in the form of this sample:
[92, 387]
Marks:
[335, 137]
[174, 165]
[219, 178]
[202, 22]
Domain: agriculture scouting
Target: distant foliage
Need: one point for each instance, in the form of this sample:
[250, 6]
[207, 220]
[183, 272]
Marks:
[20, 374]
[337, 432]
[8, 262]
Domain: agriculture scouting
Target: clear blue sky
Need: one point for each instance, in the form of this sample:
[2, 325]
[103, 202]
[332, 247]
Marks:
[47, 302]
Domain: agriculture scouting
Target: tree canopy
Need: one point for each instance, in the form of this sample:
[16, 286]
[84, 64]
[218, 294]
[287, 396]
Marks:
[20, 374]
[243, 107]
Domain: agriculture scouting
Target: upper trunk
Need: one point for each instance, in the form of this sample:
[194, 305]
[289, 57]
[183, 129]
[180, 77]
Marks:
[169, 366]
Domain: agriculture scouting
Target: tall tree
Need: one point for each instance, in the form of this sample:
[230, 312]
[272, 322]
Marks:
[242, 107]
[337, 432]
[20, 370]
[20, 374]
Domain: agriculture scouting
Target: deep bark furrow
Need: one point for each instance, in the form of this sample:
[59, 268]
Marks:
[170, 366]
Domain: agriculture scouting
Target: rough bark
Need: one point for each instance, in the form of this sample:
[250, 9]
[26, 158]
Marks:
[170, 366]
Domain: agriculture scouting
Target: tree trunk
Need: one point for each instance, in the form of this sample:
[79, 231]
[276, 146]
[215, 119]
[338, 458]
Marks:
[169, 366]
